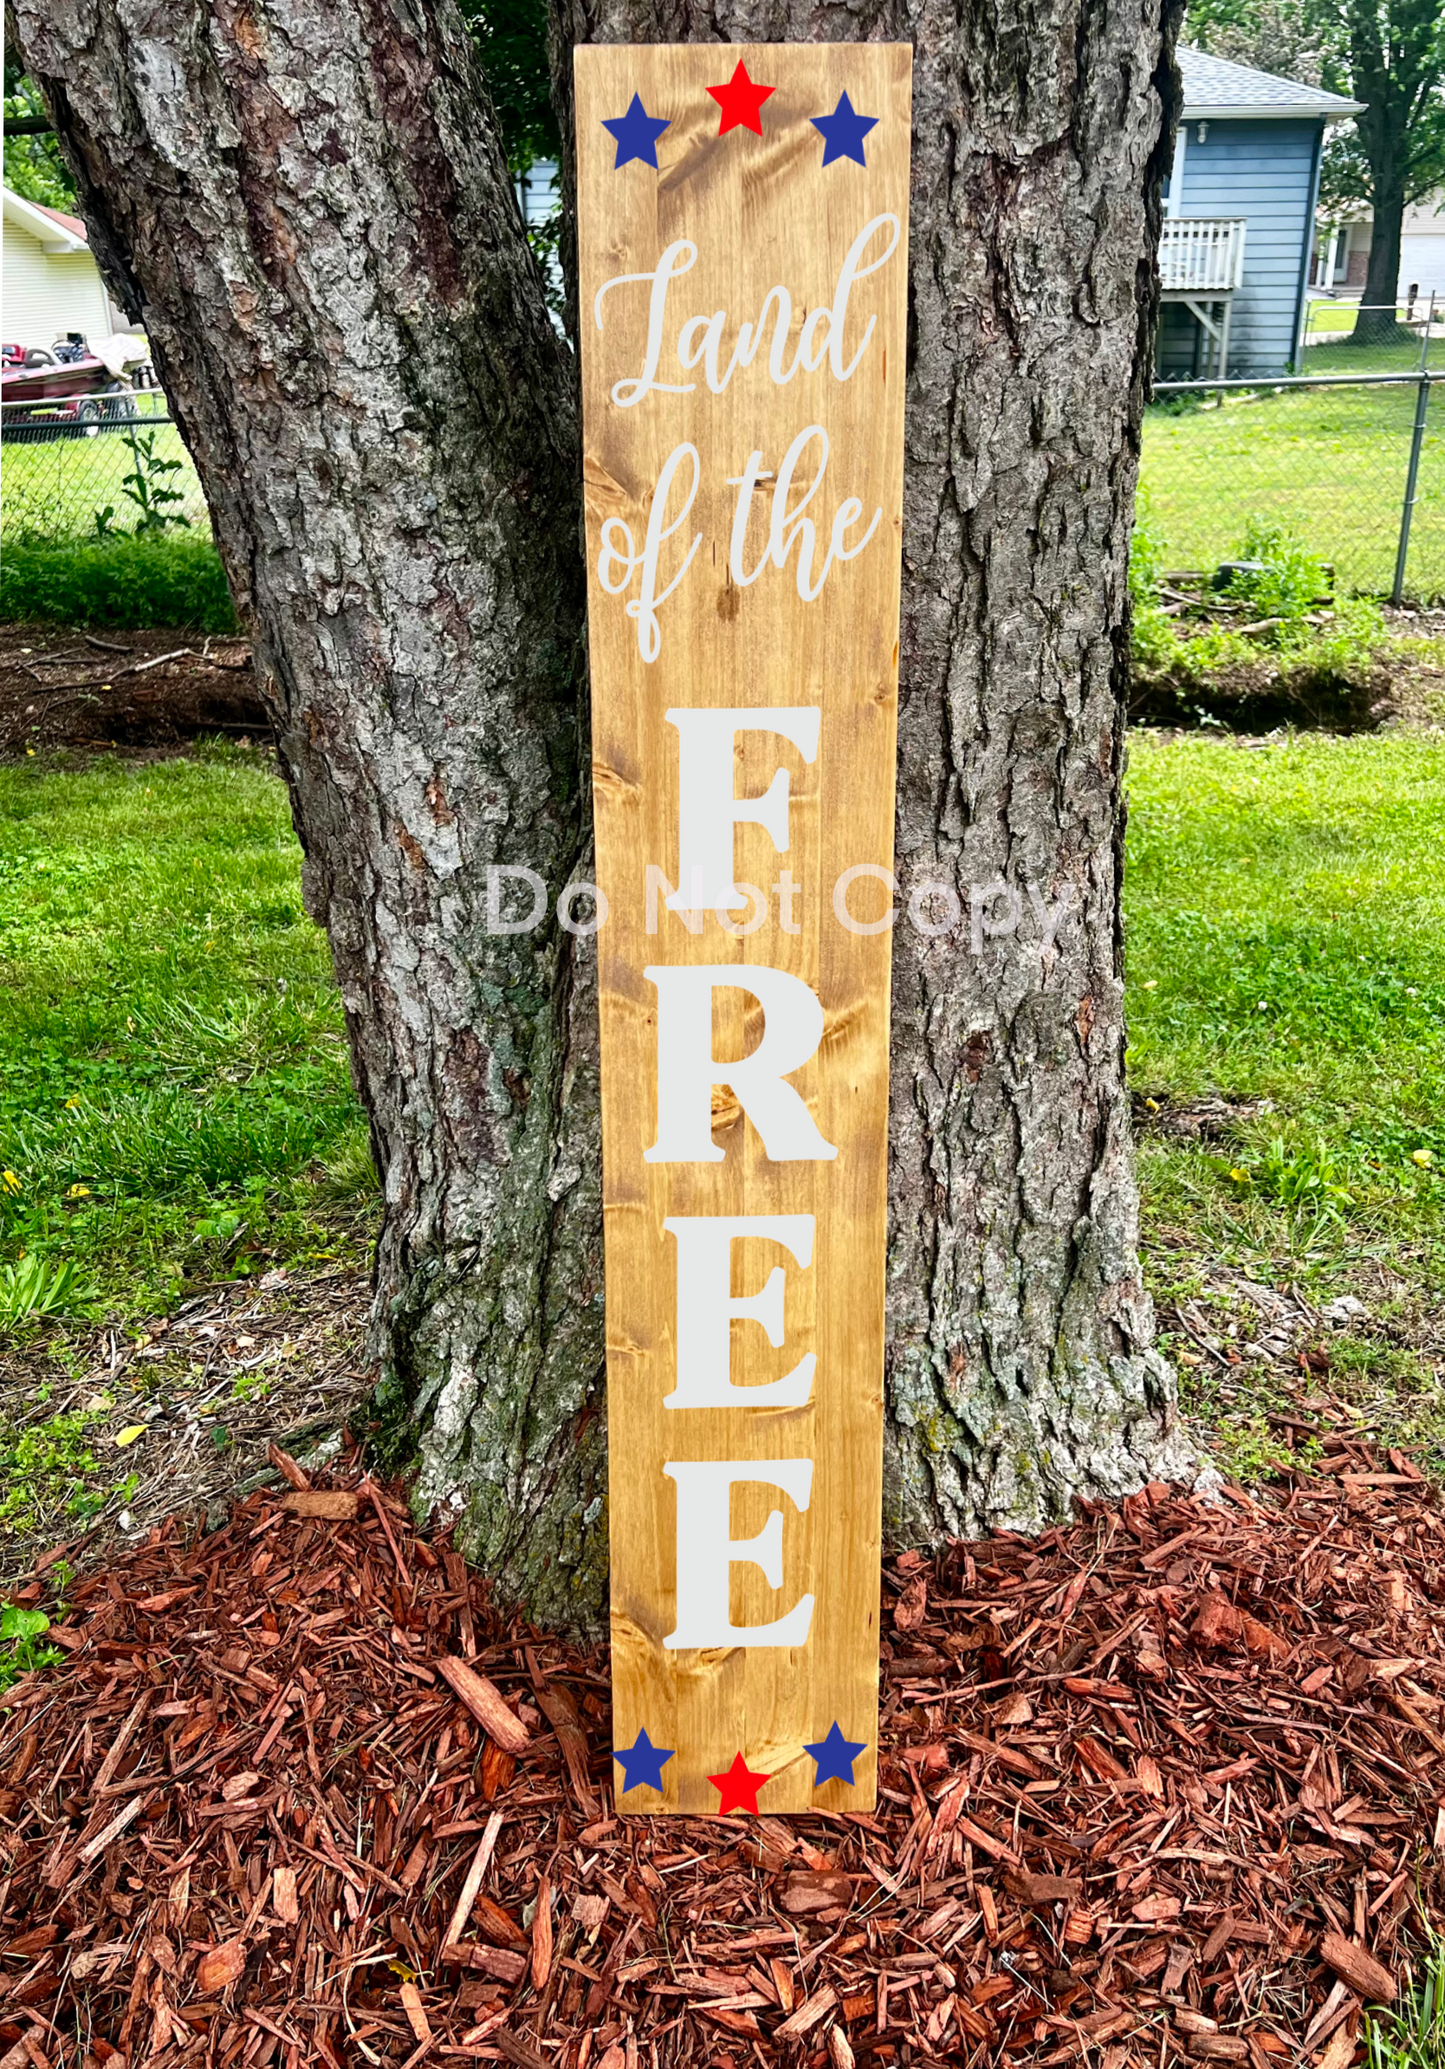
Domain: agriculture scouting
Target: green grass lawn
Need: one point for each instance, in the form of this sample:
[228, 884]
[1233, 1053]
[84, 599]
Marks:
[1328, 464]
[1327, 320]
[174, 1097]
[53, 489]
[173, 1075]
[1286, 908]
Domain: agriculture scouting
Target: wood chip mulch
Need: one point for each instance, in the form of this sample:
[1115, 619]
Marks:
[1160, 1787]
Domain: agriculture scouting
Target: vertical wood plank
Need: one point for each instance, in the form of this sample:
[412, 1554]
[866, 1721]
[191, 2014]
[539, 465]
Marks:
[763, 212]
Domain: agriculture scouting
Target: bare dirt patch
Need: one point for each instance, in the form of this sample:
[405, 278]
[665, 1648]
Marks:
[60, 688]
[175, 1419]
[1401, 683]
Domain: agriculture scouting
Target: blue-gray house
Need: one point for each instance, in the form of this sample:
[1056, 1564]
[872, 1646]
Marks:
[1239, 219]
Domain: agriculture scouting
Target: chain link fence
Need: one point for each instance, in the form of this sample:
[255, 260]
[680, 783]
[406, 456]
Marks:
[1347, 456]
[1352, 465]
[85, 467]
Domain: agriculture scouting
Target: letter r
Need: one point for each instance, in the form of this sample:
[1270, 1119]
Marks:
[687, 1070]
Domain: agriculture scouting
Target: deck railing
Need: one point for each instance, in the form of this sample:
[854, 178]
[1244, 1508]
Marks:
[1202, 255]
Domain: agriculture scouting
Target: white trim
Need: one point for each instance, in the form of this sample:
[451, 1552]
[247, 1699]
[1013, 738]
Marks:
[51, 236]
[1175, 203]
[1275, 111]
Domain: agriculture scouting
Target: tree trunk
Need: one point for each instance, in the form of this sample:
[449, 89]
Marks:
[1385, 80]
[307, 205]
[1020, 1372]
[1375, 322]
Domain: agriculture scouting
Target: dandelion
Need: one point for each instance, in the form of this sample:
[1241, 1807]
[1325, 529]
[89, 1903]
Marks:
[78, 1192]
[9, 1182]
[1239, 1175]
[1422, 1157]
[74, 1100]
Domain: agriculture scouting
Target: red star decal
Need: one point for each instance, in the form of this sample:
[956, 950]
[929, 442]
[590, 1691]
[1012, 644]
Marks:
[740, 101]
[739, 1786]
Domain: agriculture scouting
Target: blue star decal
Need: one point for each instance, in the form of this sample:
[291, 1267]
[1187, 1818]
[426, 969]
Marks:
[637, 133]
[642, 1762]
[843, 132]
[835, 1754]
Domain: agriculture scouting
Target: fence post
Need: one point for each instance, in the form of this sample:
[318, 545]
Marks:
[1425, 334]
[1412, 483]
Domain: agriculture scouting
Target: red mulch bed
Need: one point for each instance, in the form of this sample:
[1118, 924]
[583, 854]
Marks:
[1158, 1788]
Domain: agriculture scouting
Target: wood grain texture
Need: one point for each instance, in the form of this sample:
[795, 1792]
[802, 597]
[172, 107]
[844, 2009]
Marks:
[762, 211]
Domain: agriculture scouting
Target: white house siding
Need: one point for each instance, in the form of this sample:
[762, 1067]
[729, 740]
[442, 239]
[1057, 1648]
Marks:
[540, 191]
[1422, 250]
[45, 294]
[1264, 171]
[1422, 265]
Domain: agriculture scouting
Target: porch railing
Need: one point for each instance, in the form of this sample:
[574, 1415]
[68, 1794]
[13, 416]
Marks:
[1202, 255]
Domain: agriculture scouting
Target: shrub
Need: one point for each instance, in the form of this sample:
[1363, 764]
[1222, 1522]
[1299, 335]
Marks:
[1289, 580]
[21, 1650]
[1303, 652]
[125, 583]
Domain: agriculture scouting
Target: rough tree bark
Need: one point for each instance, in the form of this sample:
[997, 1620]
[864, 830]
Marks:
[307, 206]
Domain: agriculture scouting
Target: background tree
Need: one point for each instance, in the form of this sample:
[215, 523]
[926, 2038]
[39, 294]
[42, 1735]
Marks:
[511, 39]
[309, 206]
[34, 167]
[1278, 36]
[1389, 54]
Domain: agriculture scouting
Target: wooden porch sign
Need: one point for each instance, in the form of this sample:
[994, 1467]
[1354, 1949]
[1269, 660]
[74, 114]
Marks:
[742, 216]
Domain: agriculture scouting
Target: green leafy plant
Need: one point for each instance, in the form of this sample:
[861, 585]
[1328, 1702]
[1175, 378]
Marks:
[43, 1469]
[1249, 1451]
[32, 1290]
[1414, 2037]
[21, 1649]
[235, 1224]
[1300, 1174]
[1286, 583]
[148, 486]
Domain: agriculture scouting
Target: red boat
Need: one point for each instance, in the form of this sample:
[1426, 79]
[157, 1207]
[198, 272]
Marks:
[54, 398]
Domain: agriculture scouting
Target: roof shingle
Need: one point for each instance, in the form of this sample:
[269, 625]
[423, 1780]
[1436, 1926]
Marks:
[1216, 82]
